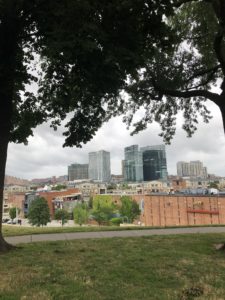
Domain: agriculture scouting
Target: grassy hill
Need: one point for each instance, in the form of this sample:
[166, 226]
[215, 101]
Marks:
[167, 267]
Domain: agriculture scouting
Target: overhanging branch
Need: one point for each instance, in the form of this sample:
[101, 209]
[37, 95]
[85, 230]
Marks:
[188, 94]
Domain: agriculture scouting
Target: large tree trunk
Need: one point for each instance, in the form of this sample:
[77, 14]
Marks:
[8, 49]
[3, 156]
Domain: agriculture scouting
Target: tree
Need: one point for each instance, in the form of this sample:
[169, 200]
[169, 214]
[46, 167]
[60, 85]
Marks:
[39, 213]
[59, 187]
[79, 55]
[103, 214]
[62, 215]
[103, 209]
[80, 214]
[181, 77]
[213, 185]
[129, 208]
[13, 212]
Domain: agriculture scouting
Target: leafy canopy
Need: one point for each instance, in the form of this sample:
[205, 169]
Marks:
[78, 55]
[104, 209]
[129, 208]
[180, 77]
[81, 55]
[12, 212]
[81, 214]
[62, 215]
[39, 213]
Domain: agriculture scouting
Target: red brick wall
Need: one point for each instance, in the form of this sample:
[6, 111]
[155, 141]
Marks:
[49, 196]
[16, 200]
[174, 210]
[181, 210]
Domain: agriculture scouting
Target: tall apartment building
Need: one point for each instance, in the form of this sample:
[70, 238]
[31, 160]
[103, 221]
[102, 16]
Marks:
[99, 166]
[191, 169]
[154, 162]
[77, 171]
[183, 169]
[133, 164]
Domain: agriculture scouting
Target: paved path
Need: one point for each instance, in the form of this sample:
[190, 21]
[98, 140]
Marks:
[109, 234]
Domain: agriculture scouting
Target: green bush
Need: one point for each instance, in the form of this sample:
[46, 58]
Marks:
[116, 221]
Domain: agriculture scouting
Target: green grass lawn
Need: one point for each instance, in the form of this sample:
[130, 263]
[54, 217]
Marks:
[12, 230]
[167, 267]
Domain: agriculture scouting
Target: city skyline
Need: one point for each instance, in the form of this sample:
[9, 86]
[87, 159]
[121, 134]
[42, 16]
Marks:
[45, 157]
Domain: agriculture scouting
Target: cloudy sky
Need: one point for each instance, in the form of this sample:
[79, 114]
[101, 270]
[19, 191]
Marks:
[45, 157]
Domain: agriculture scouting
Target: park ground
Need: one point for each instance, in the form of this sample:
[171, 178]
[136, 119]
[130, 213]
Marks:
[154, 267]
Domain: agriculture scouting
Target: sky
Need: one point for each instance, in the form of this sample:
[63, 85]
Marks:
[45, 157]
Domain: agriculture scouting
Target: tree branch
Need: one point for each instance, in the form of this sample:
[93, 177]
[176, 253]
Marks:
[188, 94]
[203, 72]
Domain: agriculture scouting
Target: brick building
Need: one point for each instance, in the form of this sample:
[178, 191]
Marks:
[182, 210]
[179, 210]
[61, 199]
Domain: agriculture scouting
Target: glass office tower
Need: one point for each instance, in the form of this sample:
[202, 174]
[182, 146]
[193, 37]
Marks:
[133, 164]
[154, 162]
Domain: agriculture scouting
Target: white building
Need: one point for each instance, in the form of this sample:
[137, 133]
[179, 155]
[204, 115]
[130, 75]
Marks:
[191, 169]
[99, 166]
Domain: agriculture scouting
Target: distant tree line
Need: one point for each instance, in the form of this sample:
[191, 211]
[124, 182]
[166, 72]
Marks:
[101, 209]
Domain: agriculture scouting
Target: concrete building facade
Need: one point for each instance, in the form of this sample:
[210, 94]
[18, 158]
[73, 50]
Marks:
[99, 166]
[77, 171]
[191, 169]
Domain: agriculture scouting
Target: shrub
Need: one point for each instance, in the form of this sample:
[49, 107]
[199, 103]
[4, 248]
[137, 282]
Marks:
[116, 221]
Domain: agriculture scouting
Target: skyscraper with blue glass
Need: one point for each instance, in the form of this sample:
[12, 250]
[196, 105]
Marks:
[154, 162]
[133, 164]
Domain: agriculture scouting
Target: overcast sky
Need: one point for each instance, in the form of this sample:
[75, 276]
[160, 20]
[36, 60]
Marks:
[45, 157]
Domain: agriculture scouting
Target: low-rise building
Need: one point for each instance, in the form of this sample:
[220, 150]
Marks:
[178, 210]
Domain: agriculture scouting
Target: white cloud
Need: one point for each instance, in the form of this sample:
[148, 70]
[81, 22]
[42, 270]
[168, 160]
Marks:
[45, 156]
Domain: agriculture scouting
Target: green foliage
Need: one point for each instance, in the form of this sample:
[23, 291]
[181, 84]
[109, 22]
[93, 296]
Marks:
[39, 213]
[129, 208]
[103, 209]
[12, 212]
[81, 214]
[125, 186]
[103, 214]
[62, 215]
[102, 200]
[180, 77]
[163, 268]
[59, 187]
[116, 221]
[213, 185]
[112, 186]
[86, 50]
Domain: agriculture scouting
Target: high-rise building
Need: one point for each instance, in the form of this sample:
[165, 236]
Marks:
[133, 164]
[196, 168]
[183, 169]
[99, 166]
[123, 167]
[77, 171]
[191, 169]
[154, 162]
